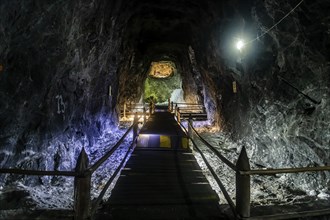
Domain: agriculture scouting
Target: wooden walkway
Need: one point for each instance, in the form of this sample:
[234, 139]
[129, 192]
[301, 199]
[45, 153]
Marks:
[162, 131]
[163, 184]
[159, 183]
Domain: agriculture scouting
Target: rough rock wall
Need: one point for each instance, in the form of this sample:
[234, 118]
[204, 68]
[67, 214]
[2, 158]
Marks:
[289, 130]
[216, 63]
[190, 78]
[279, 126]
[59, 59]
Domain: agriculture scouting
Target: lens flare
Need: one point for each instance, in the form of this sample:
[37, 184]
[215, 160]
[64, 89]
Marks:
[240, 45]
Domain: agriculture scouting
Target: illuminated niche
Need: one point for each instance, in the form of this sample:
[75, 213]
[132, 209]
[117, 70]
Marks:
[161, 69]
[163, 79]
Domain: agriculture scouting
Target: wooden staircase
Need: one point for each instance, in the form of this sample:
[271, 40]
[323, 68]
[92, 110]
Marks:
[162, 184]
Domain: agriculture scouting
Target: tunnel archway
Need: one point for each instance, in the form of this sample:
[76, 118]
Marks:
[64, 76]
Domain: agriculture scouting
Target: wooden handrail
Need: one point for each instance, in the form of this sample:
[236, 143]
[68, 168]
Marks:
[38, 172]
[107, 185]
[285, 170]
[183, 103]
[225, 160]
[191, 109]
[215, 176]
[98, 163]
[192, 106]
[265, 171]
[106, 156]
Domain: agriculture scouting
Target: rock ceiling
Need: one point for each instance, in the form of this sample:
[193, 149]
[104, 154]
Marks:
[164, 27]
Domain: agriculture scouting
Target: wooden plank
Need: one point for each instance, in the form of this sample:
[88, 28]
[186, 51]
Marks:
[140, 188]
[165, 179]
[163, 211]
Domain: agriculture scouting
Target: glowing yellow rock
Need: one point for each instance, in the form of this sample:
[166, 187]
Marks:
[161, 69]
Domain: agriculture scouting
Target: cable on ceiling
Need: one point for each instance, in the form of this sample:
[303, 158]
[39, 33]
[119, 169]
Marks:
[276, 23]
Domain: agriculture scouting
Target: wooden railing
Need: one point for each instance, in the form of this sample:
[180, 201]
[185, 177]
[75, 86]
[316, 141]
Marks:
[83, 207]
[129, 110]
[180, 110]
[187, 110]
[241, 209]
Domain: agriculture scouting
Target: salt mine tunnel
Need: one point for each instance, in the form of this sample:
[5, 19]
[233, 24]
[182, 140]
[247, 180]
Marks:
[259, 68]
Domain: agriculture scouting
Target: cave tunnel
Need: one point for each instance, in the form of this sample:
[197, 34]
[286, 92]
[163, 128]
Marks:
[260, 68]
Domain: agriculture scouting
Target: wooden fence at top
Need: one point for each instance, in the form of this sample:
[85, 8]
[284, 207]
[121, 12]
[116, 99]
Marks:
[180, 110]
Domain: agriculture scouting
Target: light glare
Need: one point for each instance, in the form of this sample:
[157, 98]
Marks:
[240, 45]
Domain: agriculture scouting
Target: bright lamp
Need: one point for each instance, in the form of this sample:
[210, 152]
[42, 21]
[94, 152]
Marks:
[240, 44]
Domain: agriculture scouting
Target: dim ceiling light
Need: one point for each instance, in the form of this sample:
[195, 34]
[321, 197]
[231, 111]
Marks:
[240, 44]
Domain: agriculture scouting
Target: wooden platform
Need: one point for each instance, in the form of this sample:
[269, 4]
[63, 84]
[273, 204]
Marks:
[162, 131]
[162, 184]
[162, 123]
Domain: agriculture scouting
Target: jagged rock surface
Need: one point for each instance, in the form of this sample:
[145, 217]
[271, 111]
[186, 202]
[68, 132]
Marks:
[60, 58]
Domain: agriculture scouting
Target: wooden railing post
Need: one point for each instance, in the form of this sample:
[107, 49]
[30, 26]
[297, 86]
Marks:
[176, 109]
[190, 129]
[172, 106]
[243, 185]
[82, 188]
[190, 124]
[124, 109]
[135, 127]
[144, 115]
[178, 116]
[169, 105]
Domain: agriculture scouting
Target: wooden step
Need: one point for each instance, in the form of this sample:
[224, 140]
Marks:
[166, 180]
